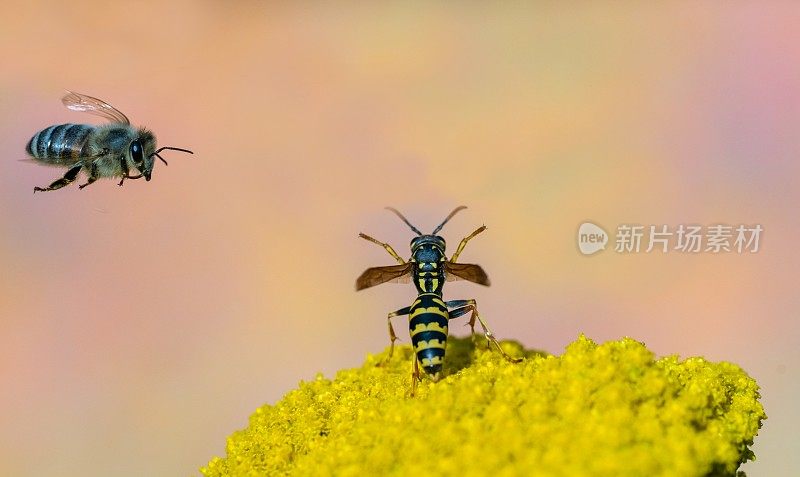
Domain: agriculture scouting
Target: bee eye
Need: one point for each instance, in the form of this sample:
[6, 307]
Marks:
[136, 152]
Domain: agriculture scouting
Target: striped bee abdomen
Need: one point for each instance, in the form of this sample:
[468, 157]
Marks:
[428, 328]
[61, 144]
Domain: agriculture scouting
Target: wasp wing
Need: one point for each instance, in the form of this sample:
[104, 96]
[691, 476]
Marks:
[466, 271]
[402, 279]
[377, 275]
[81, 102]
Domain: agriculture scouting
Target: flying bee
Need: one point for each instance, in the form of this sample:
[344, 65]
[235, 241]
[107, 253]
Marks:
[109, 150]
[429, 269]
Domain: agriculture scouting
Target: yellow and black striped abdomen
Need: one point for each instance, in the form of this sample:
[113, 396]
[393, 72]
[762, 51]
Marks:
[428, 328]
[62, 144]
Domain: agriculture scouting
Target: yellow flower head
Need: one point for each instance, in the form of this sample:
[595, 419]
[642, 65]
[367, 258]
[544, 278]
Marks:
[604, 410]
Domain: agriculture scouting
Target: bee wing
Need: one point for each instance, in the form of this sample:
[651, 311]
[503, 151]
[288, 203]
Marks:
[377, 275]
[80, 102]
[63, 161]
[466, 271]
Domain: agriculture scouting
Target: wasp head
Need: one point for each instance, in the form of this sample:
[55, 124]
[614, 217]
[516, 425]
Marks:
[428, 248]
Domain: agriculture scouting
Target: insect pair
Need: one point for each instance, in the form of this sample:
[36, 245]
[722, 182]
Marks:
[428, 268]
[117, 148]
[109, 150]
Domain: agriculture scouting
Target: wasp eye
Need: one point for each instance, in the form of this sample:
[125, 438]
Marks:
[136, 152]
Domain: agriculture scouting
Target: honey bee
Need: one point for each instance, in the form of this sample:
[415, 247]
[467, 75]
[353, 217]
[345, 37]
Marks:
[107, 150]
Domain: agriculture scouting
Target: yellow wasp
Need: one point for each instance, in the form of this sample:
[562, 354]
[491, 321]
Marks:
[429, 268]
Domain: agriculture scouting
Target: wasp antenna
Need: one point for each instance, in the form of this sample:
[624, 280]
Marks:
[162, 159]
[404, 220]
[460, 207]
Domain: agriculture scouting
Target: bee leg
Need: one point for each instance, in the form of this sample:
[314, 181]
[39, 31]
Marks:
[464, 242]
[92, 176]
[126, 176]
[392, 335]
[69, 178]
[385, 246]
[465, 306]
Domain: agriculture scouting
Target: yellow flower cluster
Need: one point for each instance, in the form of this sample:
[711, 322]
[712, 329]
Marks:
[609, 409]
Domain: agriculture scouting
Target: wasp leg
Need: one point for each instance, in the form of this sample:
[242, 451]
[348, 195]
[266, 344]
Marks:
[92, 176]
[392, 335]
[415, 377]
[464, 306]
[464, 242]
[385, 246]
[461, 308]
[69, 178]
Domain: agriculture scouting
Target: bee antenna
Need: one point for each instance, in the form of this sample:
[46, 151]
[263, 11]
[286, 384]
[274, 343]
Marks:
[170, 149]
[404, 220]
[437, 229]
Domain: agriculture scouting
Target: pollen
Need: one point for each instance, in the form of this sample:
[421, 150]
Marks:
[608, 409]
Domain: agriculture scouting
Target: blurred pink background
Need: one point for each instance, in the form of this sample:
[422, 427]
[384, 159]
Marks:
[142, 325]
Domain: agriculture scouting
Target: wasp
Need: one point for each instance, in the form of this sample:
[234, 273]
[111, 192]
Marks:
[428, 268]
[109, 150]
